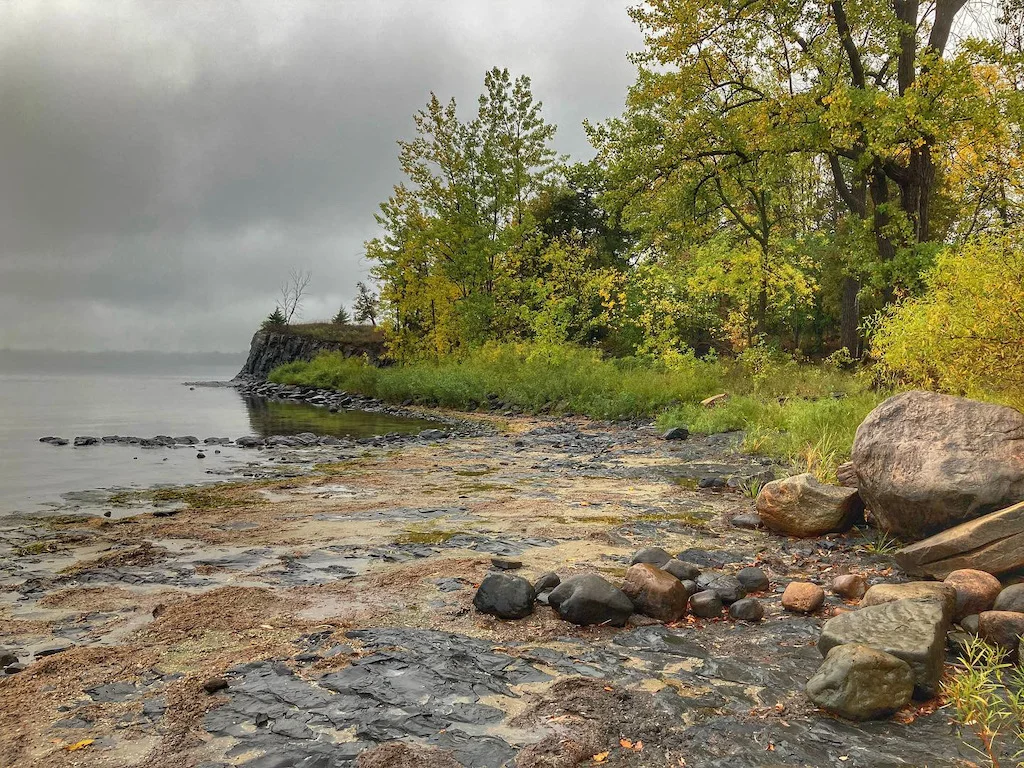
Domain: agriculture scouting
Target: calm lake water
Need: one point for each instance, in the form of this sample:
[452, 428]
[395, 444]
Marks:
[36, 403]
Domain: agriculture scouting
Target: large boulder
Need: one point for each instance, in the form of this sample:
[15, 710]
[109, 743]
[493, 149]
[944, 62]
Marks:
[976, 591]
[911, 629]
[589, 599]
[926, 462]
[1002, 628]
[655, 593]
[910, 590]
[1010, 599]
[505, 596]
[801, 506]
[993, 543]
[860, 683]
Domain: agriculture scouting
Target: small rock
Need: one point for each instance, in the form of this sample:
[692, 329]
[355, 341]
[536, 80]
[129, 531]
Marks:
[706, 604]
[639, 620]
[85, 440]
[215, 684]
[976, 591]
[655, 593]
[690, 586]
[752, 579]
[546, 581]
[1010, 599]
[589, 599]
[1002, 628]
[505, 596]
[749, 520]
[682, 571]
[200, 455]
[747, 609]
[7, 657]
[801, 506]
[847, 475]
[504, 564]
[803, 597]
[970, 623]
[676, 433]
[654, 555]
[712, 482]
[860, 683]
[13, 669]
[726, 587]
[850, 586]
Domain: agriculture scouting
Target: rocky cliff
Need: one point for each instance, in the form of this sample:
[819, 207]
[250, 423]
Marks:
[269, 349]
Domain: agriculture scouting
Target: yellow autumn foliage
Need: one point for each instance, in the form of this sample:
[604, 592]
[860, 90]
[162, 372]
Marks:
[965, 334]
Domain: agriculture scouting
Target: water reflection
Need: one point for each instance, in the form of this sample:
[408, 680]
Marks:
[273, 417]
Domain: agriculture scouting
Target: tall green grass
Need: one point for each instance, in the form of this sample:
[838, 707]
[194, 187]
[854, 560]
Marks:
[803, 414]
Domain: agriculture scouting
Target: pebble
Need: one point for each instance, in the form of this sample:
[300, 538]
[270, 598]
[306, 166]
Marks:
[753, 579]
[504, 564]
[747, 609]
[850, 586]
[215, 684]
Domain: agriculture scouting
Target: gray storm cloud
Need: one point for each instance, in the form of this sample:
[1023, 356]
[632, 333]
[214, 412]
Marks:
[164, 164]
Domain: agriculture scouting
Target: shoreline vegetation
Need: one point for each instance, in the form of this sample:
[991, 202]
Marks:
[801, 414]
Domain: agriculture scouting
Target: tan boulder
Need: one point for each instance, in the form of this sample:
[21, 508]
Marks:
[655, 593]
[913, 590]
[802, 506]
[993, 543]
[850, 586]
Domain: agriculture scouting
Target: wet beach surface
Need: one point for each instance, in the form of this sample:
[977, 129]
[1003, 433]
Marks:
[333, 594]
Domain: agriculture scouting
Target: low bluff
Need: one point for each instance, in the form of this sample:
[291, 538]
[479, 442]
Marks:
[272, 347]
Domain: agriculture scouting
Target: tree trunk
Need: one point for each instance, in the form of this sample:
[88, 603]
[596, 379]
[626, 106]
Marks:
[849, 320]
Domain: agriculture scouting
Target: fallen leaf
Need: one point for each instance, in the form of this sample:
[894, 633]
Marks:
[79, 745]
[600, 757]
[625, 743]
[608, 688]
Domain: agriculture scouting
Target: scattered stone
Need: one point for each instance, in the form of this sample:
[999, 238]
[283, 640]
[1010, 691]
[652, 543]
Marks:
[1010, 599]
[53, 440]
[850, 586]
[747, 609]
[654, 555]
[85, 440]
[753, 579]
[911, 629]
[971, 623]
[690, 586]
[929, 590]
[993, 543]
[860, 683]
[433, 434]
[505, 596]
[1002, 628]
[676, 433]
[655, 592]
[803, 597]
[589, 599]
[728, 588]
[639, 620]
[706, 604]
[215, 684]
[546, 582]
[712, 482]
[976, 591]
[926, 462]
[200, 455]
[505, 564]
[682, 571]
[13, 669]
[846, 473]
[750, 520]
[801, 506]
[7, 657]
[250, 441]
[54, 647]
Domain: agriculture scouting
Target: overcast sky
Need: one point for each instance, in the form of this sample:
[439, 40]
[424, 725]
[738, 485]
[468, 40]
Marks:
[163, 163]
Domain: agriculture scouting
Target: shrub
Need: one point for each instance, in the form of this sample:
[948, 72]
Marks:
[965, 335]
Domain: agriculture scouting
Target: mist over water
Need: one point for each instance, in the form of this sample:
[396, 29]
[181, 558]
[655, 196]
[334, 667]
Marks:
[138, 395]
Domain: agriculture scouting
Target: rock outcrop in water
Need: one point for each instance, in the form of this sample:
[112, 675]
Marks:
[270, 349]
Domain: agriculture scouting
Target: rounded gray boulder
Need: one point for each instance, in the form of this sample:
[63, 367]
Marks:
[861, 683]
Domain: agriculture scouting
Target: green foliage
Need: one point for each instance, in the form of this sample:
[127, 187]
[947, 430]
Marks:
[965, 334]
[986, 694]
[275, 319]
[349, 334]
[366, 306]
[343, 317]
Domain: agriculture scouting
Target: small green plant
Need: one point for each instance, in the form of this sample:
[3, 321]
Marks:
[275, 319]
[752, 488]
[986, 694]
[883, 544]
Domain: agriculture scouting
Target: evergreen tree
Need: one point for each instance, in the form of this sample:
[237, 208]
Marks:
[343, 317]
[275, 318]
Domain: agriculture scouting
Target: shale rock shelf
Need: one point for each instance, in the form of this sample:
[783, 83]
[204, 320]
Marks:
[327, 620]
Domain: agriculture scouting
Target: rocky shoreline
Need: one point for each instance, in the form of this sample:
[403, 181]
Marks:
[438, 602]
